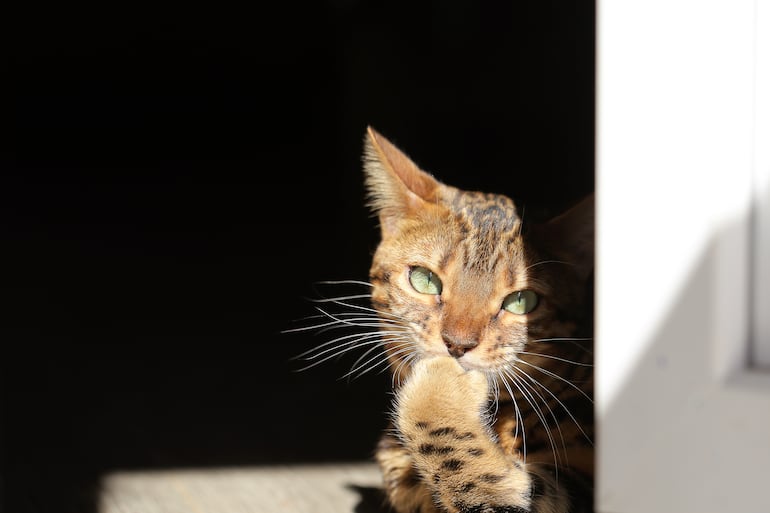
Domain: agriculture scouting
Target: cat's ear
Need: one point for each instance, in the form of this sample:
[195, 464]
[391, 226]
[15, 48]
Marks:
[571, 236]
[395, 185]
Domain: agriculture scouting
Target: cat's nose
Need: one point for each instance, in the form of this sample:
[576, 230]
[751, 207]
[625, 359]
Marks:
[457, 345]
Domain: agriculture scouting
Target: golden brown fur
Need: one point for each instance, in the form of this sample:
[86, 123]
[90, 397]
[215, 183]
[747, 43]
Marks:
[493, 410]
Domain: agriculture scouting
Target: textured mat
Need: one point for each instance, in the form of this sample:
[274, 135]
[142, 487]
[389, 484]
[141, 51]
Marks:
[337, 488]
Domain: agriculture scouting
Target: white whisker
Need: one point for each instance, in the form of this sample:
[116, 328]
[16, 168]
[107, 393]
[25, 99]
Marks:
[357, 337]
[340, 298]
[335, 352]
[405, 362]
[367, 309]
[541, 385]
[349, 321]
[358, 366]
[492, 380]
[562, 339]
[344, 282]
[524, 389]
[565, 360]
[519, 417]
[553, 415]
[556, 376]
[367, 366]
[548, 262]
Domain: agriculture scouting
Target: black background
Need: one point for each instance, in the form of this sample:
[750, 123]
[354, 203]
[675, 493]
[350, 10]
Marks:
[178, 178]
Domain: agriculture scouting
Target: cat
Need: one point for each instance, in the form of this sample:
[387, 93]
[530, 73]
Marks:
[485, 324]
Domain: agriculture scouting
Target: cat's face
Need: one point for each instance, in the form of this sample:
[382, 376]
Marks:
[456, 274]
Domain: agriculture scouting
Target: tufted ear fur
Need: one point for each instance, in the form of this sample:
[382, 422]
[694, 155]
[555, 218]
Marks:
[396, 187]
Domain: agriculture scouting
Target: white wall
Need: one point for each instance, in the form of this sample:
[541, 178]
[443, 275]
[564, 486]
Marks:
[684, 427]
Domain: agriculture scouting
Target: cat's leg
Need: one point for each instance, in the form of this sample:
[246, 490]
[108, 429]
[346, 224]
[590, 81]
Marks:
[443, 426]
[404, 488]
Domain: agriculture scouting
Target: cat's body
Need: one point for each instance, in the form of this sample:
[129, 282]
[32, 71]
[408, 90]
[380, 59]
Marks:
[486, 326]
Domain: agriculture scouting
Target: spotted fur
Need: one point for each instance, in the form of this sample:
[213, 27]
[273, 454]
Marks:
[493, 410]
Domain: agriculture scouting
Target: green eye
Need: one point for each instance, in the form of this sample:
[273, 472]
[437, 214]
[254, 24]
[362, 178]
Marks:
[424, 281]
[520, 302]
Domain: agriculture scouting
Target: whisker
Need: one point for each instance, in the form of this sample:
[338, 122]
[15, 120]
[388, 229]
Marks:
[562, 339]
[367, 309]
[405, 362]
[548, 262]
[313, 326]
[350, 321]
[534, 380]
[565, 360]
[359, 337]
[404, 351]
[364, 315]
[356, 368]
[556, 376]
[523, 388]
[492, 380]
[344, 282]
[519, 417]
[347, 321]
[363, 331]
[357, 365]
[405, 347]
[397, 342]
[339, 298]
[369, 322]
[334, 355]
[335, 352]
[550, 410]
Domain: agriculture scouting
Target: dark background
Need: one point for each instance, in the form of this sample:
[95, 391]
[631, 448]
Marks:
[178, 178]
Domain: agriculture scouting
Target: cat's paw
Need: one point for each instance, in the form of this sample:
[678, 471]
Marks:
[440, 387]
[436, 367]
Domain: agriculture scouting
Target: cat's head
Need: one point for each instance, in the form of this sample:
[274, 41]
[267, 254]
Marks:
[456, 273]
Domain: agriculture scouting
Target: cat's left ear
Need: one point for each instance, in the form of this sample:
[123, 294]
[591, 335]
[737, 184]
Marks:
[397, 187]
[571, 236]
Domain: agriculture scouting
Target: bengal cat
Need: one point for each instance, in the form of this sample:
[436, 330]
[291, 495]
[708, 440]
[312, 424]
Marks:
[485, 324]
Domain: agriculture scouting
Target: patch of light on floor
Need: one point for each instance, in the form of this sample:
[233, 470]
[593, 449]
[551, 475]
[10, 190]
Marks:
[333, 488]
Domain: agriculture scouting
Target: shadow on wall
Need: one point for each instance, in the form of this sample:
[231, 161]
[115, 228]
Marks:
[692, 437]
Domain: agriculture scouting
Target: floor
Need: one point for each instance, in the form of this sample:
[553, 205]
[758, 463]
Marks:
[327, 488]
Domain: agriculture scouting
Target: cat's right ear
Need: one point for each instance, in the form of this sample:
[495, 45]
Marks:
[396, 187]
[570, 236]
